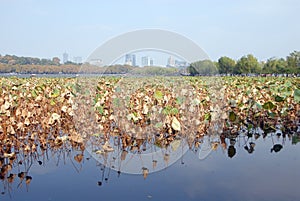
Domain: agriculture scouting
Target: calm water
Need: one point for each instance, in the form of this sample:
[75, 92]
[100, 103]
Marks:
[260, 175]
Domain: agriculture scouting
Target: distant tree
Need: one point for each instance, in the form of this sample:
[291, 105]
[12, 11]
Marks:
[71, 63]
[46, 62]
[154, 70]
[22, 60]
[12, 62]
[192, 70]
[35, 61]
[205, 67]
[226, 65]
[118, 69]
[5, 59]
[56, 60]
[274, 65]
[247, 64]
[293, 62]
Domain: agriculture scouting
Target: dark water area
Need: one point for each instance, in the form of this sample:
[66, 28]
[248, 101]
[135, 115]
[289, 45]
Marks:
[266, 172]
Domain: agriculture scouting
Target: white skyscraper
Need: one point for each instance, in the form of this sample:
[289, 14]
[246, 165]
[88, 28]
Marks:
[133, 60]
[145, 61]
[65, 57]
[128, 59]
[171, 62]
[151, 62]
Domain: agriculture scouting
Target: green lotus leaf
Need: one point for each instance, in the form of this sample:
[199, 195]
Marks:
[55, 93]
[207, 116]
[232, 116]
[297, 95]
[167, 110]
[52, 102]
[158, 95]
[279, 98]
[258, 105]
[34, 93]
[174, 111]
[158, 125]
[179, 100]
[295, 139]
[272, 114]
[268, 105]
[100, 109]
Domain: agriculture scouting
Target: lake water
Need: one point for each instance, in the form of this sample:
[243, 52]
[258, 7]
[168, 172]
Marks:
[248, 174]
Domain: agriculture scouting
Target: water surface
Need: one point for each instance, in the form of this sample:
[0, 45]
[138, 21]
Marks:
[260, 175]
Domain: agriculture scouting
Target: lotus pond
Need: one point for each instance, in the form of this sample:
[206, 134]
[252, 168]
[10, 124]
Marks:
[159, 138]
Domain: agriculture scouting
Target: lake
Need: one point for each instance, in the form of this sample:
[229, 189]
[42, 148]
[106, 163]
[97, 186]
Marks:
[256, 174]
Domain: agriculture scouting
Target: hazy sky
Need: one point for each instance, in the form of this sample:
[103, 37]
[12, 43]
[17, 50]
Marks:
[265, 28]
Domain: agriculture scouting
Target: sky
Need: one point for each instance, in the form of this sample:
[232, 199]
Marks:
[45, 29]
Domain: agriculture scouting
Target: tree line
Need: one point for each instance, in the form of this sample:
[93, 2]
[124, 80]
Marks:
[15, 60]
[248, 65]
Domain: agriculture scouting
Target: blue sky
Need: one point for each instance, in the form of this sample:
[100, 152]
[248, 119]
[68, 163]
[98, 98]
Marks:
[265, 28]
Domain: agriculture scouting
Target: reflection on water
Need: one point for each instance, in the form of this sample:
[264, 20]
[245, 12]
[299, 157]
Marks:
[225, 158]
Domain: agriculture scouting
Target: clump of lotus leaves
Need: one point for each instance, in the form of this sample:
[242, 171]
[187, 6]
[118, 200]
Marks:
[38, 115]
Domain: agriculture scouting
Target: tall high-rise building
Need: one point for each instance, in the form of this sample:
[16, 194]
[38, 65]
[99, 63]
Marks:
[171, 62]
[181, 63]
[65, 57]
[151, 62]
[145, 61]
[133, 60]
[128, 60]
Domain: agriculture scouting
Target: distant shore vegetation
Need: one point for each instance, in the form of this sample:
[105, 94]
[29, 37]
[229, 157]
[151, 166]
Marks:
[247, 64]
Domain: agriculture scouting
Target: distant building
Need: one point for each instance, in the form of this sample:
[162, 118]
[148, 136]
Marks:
[133, 60]
[96, 62]
[171, 62]
[130, 59]
[181, 63]
[65, 57]
[145, 61]
[151, 62]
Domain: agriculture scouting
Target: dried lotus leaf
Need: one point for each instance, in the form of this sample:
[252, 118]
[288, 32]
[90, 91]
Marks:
[175, 124]
[78, 158]
[11, 130]
[27, 121]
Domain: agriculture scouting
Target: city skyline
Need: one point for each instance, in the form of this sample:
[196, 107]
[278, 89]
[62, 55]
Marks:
[151, 58]
[67, 58]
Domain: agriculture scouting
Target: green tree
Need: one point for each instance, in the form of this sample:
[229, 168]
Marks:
[226, 65]
[205, 67]
[248, 64]
[56, 60]
[274, 65]
[293, 61]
